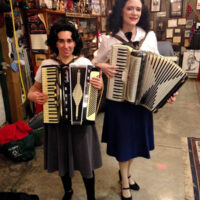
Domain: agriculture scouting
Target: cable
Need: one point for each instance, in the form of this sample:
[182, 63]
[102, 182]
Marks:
[17, 50]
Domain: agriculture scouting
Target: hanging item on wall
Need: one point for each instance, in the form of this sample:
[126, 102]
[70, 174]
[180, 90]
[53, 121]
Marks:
[198, 4]
[96, 10]
[155, 5]
[176, 8]
[188, 11]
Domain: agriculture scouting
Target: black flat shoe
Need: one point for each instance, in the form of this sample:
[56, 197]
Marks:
[126, 198]
[134, 186]
[68, 195]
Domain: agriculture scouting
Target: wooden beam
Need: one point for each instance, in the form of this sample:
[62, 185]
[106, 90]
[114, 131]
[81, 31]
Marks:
[13, 82]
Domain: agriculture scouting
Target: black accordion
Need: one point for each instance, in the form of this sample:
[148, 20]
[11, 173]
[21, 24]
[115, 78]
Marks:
[71, 96]
[143, 78]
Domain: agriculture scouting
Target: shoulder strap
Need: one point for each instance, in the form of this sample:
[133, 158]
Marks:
[129, 43]
[123, 41]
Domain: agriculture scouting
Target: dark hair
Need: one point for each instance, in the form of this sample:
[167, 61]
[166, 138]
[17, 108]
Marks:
[114, 22]
[63, 25]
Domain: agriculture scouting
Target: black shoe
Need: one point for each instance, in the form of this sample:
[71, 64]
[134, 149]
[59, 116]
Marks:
[68, 195]
[134, 186]
[126, 198]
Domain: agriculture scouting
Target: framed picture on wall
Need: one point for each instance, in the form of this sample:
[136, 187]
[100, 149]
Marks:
[155, 5]
[176, 39]
[172, 23]
[169, 33]
[187, 33]
[189, 23]
[191, 62]
[176, 8]
[177, 30]
[186, 43]
[181, 21]
[198, 4]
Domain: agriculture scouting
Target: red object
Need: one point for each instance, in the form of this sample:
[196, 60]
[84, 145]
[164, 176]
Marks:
[198, 78]
[13, 132]
[38, 107]
[69, 5]
[188, 11]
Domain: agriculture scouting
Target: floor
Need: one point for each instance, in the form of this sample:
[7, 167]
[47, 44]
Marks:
[160, 178]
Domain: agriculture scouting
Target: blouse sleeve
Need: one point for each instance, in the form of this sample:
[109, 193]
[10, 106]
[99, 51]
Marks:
[150, 43]
[38, 76]
[102, 54]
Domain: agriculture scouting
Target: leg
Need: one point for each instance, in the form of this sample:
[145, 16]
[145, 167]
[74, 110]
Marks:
[67, 184]
[129, 171]
[90, 187]
[132, 183]
[124, 166]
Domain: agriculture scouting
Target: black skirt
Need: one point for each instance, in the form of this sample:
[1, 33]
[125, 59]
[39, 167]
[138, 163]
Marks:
[128, 131]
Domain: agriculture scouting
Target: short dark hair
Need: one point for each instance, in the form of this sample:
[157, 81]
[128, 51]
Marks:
[114, 22]
[63, 24]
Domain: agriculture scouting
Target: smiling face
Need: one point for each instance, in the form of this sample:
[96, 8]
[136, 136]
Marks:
[65, 44]
[131, 13]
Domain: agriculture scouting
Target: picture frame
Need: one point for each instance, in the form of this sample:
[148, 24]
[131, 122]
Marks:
[155, 5]
[189, 23]
[190, 62]
[187, 33]
[176, 39]
[182, 21]
[172, 23]
[186, 43]
[176, 7]
[177, 30]
[198, 5]
[169, 33]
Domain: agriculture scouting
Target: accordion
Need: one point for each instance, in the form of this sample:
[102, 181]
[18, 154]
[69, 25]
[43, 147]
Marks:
[71, 96]
[143, 78]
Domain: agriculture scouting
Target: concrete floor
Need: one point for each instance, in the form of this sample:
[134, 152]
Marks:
[160, 178]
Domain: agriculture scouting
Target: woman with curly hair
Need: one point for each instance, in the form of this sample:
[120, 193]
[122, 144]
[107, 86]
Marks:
[68, 148]
[127, 129]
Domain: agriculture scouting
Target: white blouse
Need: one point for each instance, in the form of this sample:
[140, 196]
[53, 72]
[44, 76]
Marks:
[103, 53]
[79, 61]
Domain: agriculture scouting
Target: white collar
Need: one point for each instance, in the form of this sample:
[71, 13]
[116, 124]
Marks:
[140, 34]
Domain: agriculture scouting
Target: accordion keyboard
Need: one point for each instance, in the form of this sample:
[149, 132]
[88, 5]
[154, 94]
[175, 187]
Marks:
[120, 57]
[49, 87]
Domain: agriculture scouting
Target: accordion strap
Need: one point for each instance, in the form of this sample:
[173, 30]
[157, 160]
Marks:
[137, 47]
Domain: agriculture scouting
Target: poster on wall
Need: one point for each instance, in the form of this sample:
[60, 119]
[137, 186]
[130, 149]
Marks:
[96, 8]
[155, 5]
[190, 64]
[198, 4]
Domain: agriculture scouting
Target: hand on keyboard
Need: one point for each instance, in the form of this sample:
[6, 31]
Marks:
[108, 70]
[40, 97]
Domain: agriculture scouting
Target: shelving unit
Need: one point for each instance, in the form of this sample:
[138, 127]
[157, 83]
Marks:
[40, 22]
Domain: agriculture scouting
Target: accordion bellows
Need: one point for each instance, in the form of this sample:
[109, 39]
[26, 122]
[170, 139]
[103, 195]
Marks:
[143, 78]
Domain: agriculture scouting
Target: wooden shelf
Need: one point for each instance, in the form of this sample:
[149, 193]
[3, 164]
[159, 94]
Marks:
[77, 18]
